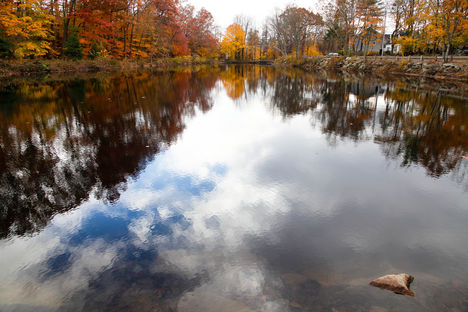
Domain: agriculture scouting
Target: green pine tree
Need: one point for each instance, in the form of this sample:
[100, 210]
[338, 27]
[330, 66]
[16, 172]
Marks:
[6, 46]
[73, 46]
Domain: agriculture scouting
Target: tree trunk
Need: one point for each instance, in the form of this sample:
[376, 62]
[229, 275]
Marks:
[131, 41]
[446, 54]
[346, 50]
[66, 23]
[125, 41]
[366, 48]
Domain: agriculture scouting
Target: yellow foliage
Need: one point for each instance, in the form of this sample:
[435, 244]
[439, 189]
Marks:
[233, 41]
[30, 30]
[312, 50]
[407, 43]
[233, 83]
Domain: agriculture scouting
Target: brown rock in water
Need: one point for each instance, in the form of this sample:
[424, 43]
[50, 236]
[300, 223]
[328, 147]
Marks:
[398, 283]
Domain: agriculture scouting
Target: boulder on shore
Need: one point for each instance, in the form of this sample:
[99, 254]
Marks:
[398, 283]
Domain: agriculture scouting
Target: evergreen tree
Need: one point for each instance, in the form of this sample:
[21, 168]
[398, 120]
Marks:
[5, 47]
[73, 46]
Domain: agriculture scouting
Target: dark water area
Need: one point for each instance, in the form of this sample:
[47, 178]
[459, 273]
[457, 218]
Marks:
[231, 189]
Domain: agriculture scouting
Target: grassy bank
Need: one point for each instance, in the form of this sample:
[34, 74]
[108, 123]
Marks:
[378, 66]
[11, 68]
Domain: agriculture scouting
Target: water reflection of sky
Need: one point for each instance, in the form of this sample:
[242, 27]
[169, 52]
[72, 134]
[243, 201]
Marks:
[249, 211]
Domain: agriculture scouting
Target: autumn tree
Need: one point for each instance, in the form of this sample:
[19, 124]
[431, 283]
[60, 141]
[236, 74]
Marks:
[430, 25]
[397, 9]
[253, 45]
[246, 23]
[369, 13]
[199, 29]
[121, 28]
[233, 41]
[342, 24]
[454, 25]
[264, 41]
[293, 30]
[26, 26]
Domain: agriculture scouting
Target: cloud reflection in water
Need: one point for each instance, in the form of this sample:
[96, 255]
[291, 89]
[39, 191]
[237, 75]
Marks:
[261, 203]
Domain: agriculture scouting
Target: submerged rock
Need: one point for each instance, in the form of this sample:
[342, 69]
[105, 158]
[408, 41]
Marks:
[398, 283]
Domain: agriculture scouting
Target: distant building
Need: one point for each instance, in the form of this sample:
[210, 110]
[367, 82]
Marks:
[396, 48]
[375, 44]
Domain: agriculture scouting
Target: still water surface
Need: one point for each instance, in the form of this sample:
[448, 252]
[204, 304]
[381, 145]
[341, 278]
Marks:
[231, 189]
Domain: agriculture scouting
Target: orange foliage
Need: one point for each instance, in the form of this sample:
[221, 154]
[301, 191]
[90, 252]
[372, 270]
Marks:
[120, 28]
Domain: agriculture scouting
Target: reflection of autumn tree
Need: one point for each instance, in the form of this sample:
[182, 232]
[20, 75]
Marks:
[62, 141]
[339, 115]
[421, 127]
[433, 136]
[234, 81]
[253, 74]
[424, 128]
[346, 109]
[239, 80]
[293, 93]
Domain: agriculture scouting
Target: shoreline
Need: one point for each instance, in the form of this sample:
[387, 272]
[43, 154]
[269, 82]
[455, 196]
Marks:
[382, 67]
[27, 68]
[450, 79]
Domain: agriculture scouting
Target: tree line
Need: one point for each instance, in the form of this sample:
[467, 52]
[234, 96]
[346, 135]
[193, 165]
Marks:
[351, 27]
[168, 28]
[109, 28]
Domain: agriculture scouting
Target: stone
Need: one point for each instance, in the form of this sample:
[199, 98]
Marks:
[447, 67]
[398, 283]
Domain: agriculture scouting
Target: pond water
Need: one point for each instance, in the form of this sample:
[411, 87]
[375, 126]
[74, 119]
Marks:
[231, 189]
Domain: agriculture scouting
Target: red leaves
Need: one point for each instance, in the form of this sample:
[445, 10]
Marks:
[143, 28]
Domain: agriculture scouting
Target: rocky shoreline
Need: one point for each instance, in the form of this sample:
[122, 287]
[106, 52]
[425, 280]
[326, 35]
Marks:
[377, 66]
[454, 73]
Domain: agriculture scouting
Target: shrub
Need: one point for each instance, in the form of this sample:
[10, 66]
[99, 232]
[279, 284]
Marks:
[373, 53]
[94, 51]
